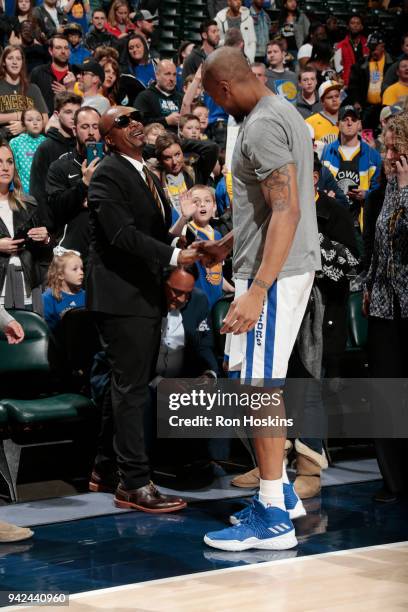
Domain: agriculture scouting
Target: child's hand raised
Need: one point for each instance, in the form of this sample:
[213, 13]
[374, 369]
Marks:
[187, 205]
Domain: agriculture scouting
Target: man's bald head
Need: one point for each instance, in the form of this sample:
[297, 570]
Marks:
[166, 75]
[228, 79]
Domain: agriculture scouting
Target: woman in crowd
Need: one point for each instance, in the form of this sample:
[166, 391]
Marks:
[21, 240]
[386, 296]
[294, 26]
[110, 87]
[13, 80]
[137, 60]
[177, 176]
[10, 25]
[118, 23]
[184, 51]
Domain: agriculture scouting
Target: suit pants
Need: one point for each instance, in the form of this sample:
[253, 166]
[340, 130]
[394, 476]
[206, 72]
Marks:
[131, 344]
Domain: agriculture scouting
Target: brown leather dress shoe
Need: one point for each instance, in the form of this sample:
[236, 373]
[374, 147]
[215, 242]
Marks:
[147, 499]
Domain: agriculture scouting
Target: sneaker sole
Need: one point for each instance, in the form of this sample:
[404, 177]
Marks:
[282, 542]
[17, 537]
[131, 506]
[296, 512]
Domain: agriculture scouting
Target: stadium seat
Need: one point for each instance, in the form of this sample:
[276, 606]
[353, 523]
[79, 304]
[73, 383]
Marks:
[34, 412]
[218, 314]
[357, 323]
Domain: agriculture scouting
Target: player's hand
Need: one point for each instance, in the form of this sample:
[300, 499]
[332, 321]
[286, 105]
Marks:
[243, 313]
[211, 251]
[187, 257]
[402, 171]
[87, 171]
[14, 332]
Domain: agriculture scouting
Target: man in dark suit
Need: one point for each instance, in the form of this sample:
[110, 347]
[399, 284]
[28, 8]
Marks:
[130, 244]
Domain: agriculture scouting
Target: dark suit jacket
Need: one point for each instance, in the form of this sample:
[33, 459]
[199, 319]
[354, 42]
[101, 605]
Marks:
[199, 349]
[130, 242]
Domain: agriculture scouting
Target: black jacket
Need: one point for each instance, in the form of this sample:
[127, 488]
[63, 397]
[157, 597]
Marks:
[23, 219]
[95, 39]
[45, 22]
[156, 105]
[360, 79]
[48, 151]
[43, 77]
[66, 193]
[193, 62]
[336, 223]
[130, 243]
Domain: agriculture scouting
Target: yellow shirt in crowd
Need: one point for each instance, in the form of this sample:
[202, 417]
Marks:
[376, 70]
[395, 94]
[324, 130]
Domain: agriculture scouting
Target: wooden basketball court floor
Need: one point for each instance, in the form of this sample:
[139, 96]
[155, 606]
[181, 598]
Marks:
[357, 580]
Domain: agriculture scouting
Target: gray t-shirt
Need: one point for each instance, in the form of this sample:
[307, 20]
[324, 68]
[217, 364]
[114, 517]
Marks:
[271, 136]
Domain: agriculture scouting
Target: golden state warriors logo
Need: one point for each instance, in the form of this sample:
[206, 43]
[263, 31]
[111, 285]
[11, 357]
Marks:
[214, 274]
[286, 89]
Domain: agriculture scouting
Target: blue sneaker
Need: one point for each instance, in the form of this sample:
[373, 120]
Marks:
[265, 528]
[293, 504]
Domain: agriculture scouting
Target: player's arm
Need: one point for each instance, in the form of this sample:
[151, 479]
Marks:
[281, 194]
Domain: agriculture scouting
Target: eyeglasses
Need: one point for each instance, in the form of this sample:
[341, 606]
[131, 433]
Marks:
[123, 120]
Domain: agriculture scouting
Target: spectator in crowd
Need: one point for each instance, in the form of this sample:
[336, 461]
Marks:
[137, 61]
[78, 53]
[317, 32]
[214, 6]
[186, 345]
[145, 24]
[25, 145]
[192, 89]
[67, 185]
[325, 122]
[201, 111]
[262, 25]
[352, 49]
[364, 89]
[50, 77]
[334, 32]
[391, 76]
[118, 23]
[161, 102]
[152, 131]
[234, 38]
[354, 164]
[91, 79]
[293, 25]
[21, 240]
[398, 93]
[50, 17]
[210, 279]
[175, 175]
[104, 54]
[322, 62]
[77, 12]
[210, 39]
[386, 113]
[307, 101]
[372, 208]
[183, 52]
[110, 87]
[385, 297]
[189, 127]
[238, 16]
[12, 24]
[281, 81]
[16, 93]
[58, 140]
[97, 35]
[130, 219]
[31, 42]
[259, 70]
[64, 286]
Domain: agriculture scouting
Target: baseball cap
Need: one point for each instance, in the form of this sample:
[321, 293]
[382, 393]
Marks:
[90, 65]
[75, 28]
[374, 39]
[327, 86]
[389, 111]
[145, 15]
[348, 110]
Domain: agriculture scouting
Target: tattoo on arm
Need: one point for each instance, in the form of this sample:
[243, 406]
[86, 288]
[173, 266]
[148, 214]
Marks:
[260, 283]
[278, 189]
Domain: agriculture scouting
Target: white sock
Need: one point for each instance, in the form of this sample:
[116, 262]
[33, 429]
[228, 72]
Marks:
[271, 493]
[285, 478]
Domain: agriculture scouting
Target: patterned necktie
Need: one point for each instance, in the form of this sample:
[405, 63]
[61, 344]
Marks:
[153, 190]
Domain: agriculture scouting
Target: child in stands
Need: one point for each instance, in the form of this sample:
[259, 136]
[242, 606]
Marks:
[64, 291]
[210, 280]
[25, 145]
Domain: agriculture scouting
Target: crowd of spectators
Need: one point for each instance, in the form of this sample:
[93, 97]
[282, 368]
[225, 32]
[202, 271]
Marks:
[66, 62]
